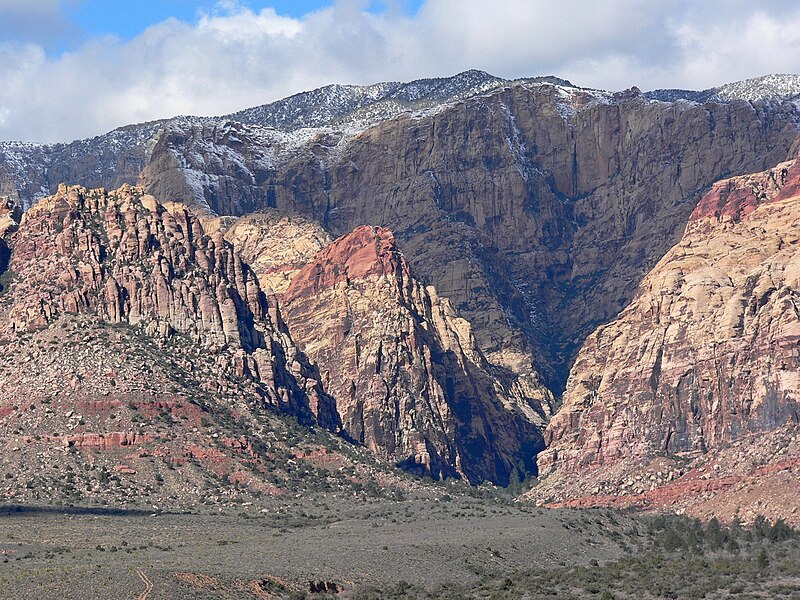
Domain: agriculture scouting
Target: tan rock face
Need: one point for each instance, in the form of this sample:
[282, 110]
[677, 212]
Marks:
[125, 258]
[276, 246]
[10, 216]
[406, 373]
[707, 352]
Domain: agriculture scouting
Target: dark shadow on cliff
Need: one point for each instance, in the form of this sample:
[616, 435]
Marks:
[7, 510]
[5, 274]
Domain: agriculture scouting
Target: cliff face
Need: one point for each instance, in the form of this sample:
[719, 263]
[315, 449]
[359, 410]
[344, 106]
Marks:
[124, 258]
[407, 376]
[532, 208]
[275, 245]
[10, 216]
[535, 208]
[704, 357]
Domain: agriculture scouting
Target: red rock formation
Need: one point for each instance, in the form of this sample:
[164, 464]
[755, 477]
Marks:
[125, 258]
[405, 371]
[706, 353]
[734, 199]
[367, 252]
[725, 483]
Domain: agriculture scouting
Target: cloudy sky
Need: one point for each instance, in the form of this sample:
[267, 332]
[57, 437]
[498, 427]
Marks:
[78, 68]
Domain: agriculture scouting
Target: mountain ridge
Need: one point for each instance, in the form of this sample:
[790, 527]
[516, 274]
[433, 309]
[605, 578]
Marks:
[25, 166]
[534, 207]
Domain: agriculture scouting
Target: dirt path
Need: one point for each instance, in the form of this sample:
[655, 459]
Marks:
[148, 585]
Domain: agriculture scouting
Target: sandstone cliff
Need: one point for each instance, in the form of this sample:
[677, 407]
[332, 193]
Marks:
[406, 373]
[705, 356]
[124, 258]
[532, 208]
[275, 245]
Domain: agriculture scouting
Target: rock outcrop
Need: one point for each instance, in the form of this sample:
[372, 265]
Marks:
[406, 373]
[276, 245]
[124, 258]
[532, 208]
[10, 216]
[707, 353]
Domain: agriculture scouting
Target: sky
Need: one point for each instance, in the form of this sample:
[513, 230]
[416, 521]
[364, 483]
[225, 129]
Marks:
[78, 68]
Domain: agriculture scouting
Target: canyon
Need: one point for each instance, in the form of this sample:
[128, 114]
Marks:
[467, 277]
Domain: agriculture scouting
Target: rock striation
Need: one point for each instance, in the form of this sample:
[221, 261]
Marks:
[532, 207]
[408, 378]
[276, 245]
[124, 258]
[705, 356]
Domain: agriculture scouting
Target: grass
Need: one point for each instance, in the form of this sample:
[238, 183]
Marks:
[373, 548]
[675, 558]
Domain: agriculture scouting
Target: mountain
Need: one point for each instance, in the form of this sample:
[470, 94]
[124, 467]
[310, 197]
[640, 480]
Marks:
[409, 381]
[704, 360]
[147, 312]
[31, 171]
[441, 256]
[531, 208]
[407, 377]
[769, 88]
[142, 335]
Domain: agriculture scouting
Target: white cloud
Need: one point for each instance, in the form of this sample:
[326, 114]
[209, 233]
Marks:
[234, 57]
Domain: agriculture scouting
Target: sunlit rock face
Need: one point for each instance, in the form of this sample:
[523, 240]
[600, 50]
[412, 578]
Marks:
[408, 378]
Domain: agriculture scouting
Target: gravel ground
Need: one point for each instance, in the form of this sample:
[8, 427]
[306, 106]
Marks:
[276, 550]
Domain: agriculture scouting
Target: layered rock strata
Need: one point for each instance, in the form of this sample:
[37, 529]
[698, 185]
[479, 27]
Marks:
[124, 258]
[532, 208]
[705, 355]
[409, 380]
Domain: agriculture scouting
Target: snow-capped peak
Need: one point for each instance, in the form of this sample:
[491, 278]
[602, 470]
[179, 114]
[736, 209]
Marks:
[768, 88]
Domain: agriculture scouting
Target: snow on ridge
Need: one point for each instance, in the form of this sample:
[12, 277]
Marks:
[331, 116]
[768, 87]
[314, 108]
[344, 105]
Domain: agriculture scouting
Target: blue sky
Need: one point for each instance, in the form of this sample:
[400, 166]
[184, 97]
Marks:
[78, 68]
[127, 19]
